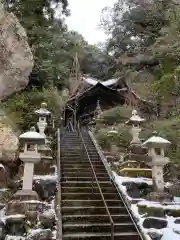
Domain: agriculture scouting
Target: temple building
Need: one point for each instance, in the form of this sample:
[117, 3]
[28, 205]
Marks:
[92, 93]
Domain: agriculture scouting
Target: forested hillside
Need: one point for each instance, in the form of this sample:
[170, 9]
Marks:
[142, 48]
[144, 41]
[54, 49]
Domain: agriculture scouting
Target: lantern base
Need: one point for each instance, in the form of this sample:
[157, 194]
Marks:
[25, 195]
[159, 197]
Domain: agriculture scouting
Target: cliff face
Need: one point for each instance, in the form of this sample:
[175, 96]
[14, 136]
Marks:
[16, 63]
[16, 59]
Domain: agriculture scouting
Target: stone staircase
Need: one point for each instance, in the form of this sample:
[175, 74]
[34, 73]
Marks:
[91, 207]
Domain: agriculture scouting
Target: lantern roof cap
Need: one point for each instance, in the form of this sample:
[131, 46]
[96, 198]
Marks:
[155, 139]
[112, 131]
[43, 110]
[31, 135]
[135, 118]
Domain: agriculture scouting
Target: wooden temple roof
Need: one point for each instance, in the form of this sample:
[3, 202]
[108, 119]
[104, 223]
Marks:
[109, 93]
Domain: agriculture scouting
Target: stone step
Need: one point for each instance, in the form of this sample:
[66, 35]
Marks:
[89, 189]
[91, 203]
[73, 184]
[86, 196]
[77, 165]
[101, 236]
[79, 159]
[102, 218]
[84, 158]
[84, 165]
[93, 210]
[88, 173]
[79, 155]
[100, 179]
[97, 227]
[74, 169]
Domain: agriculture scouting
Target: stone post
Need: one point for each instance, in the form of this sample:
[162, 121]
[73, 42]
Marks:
[2, 9]
[29, 156]
[135, 121]
[156, 146]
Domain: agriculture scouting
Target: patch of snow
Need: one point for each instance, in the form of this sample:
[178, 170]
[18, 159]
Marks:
[139, 220]
[120, 179]
[172, 206]
[116, 163]
[168, 184]
[52, 204]
[14, 216]
[136, 118]
[43, 111]
[9, 237]
[170, 234]
[33, 201]
[110, 82]
[2, 215]
[93, 81]
[155, 230]
[50, 213]
[2, 166]
[45, 177]
[33, 232]
[3, 189]
[54, 234]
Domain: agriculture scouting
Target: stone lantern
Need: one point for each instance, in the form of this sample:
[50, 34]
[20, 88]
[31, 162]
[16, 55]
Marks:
[30, 156]
[156, 146]
[135, 121]
[98, 110]
[43, 113]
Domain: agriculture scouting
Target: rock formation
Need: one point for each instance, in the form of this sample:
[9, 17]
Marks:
[8, 143]
[16, 59]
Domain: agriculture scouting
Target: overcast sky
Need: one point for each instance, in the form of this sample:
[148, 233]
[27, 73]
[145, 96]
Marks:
[85, 18]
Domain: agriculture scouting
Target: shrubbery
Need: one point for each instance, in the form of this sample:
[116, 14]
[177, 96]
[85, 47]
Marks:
[20, 107]
[167, 128]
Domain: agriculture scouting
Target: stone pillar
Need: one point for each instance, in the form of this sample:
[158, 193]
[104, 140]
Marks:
[28, 175]
[135, 131]
[157, 176]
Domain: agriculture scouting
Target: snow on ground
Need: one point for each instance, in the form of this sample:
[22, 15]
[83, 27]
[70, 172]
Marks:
[170, 206]
[9, 237]
[172, 231]
[45, 177]
[33, 232]
[120, 179]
